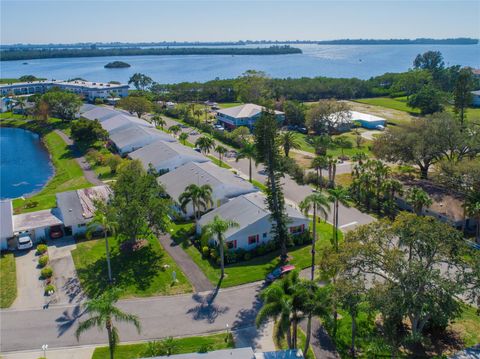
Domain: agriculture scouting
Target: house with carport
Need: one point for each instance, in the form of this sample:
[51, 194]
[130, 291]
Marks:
[166, 156]
[225, 184]
[254, 222]
[6, 223]
[243, 115]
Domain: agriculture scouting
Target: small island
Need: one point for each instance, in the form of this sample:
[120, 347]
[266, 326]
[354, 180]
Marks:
[116, 65]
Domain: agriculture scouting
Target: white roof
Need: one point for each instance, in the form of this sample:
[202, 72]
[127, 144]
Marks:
[138, 136]
[77, 83]
[359, 116]
[99, 113]
[6, 219]
[244, 111]
[200, 174]
[39, 219]
[121, 121]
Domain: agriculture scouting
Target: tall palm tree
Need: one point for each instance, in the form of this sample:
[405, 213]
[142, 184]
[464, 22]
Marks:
[174, 129]
[337, 195]
[472, 208]
[159, 121]
[390, 188]
[102, 312]
[21, 103]
[318, 164]
[199, 196]
[321, 144]
[247, 151]
[217, 227]
[289, 140]
[183, 137]
[316, 202]
[380, 172]
[418, 199]
[332, 170]
[342, 142]
[205, 144]
[221, 150]
[104, 218]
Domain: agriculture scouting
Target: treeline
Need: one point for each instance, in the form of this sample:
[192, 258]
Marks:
[27, 54]
[420, 41]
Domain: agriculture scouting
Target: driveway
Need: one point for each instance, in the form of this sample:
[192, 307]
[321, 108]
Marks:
[65, 275]
[30, 291]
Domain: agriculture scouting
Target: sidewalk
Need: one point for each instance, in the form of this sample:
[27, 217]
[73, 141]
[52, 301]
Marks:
[64, 353]
[320, 342]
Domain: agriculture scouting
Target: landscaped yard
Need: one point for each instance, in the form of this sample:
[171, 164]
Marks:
[398, 103]
[335, 152]
[142, 273]
[255, 269]
[8, 280]
[68, 174]
[183, 345]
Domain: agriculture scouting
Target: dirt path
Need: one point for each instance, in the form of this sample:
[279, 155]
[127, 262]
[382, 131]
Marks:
[89, 174]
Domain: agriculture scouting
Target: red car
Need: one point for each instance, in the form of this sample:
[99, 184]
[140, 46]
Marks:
[279, 272]
[56, 232]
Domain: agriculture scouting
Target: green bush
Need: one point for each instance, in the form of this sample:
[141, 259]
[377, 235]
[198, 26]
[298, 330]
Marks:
[46, 272]
[205, 252]
[204, 348]
[49, 288]
[41, 248]
[213, 253]
[247, 256]
[43, 260]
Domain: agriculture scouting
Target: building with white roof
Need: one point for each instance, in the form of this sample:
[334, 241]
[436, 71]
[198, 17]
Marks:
[166, 156]
[131, 138]
[368, 121]
[99, 113]
[254, 223]
[243, 115]
[6, 223]
[225, 184]
[121, 121]
[90, 90]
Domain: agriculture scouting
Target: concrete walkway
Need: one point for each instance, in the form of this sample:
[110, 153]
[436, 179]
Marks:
[89, 174]
[260, 339]
[199, 281]
[320, 342]
[67, 353]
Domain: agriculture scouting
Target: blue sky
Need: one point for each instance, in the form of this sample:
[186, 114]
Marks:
[68, 21]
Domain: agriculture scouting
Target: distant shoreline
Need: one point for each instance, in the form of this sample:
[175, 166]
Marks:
[458, 41]
[28, 54]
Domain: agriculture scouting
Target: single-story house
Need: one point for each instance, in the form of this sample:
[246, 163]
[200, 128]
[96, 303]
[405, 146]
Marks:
[239, 353]
[166, 156]
[99, 113]
[366, 120]
[77, 208]
[6, 223]
[121, 121]
[132, 138]
[243, 115]
[37, 224]
[476, 98]
[254, 223]
[224, 183]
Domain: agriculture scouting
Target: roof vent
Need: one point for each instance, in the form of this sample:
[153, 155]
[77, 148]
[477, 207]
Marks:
[70, 210]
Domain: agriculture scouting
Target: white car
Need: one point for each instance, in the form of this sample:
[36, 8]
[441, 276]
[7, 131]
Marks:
[24, 242]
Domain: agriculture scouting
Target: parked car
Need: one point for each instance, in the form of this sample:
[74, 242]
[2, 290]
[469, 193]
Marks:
[193, 133]
[279, 272]
[380, 127]
[197, 149]
[56, 232]
[24, 241]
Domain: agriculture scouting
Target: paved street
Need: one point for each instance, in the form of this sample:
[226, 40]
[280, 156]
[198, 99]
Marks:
[159, 316]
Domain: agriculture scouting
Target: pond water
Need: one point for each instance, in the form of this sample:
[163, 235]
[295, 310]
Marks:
[361, 61]
[25, 165]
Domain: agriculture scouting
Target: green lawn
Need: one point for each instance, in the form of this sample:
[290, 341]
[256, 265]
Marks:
[399, 103]
[335, 152]
[215, 160]
[183, 346]
[68, 174]
[255, 269]
[8, 280]
[143, 273]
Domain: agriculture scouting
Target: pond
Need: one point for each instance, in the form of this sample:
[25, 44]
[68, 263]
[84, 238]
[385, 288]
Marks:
[25, 165]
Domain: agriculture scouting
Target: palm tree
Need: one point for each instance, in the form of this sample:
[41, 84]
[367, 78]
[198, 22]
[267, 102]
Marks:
[318, 202]
[337, 195]
[418, 199]
[183, 137]
[199, 196]
[321, 144]
[390, 188]
[342, 142]
[319, 163]
[217, 227]
[205, 144]
[247, 151]
[332, 170]
[472, 208]
[380, 172]
[158, 121]
[221, 150]
[20, 103]
[102, 312]
[174, 129]
[104, 218]
[289, 140]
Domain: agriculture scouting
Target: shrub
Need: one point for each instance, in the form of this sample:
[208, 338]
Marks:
[204, 348]
[247, 256]
[46, 272]
[213, 253]
[41, 248]
[98, 101]
[205, 252]
[43, 260]
[30, 204]
[49, 288]
[230, 257]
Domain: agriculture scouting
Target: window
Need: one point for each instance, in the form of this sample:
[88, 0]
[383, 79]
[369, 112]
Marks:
[253, 239]
[265, 235]
[297, 229]
[231, 244]
[82, 225]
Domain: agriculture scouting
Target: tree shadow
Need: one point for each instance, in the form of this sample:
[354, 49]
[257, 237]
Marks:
[206, 309]
[66, 320]
[246, 317]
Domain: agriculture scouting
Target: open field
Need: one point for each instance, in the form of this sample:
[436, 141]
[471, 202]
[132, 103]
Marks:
[255, 269]
[142, 273]
[8, 280]
[183, 345]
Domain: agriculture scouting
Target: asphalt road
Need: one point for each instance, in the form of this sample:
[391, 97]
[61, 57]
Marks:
[183, 315]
